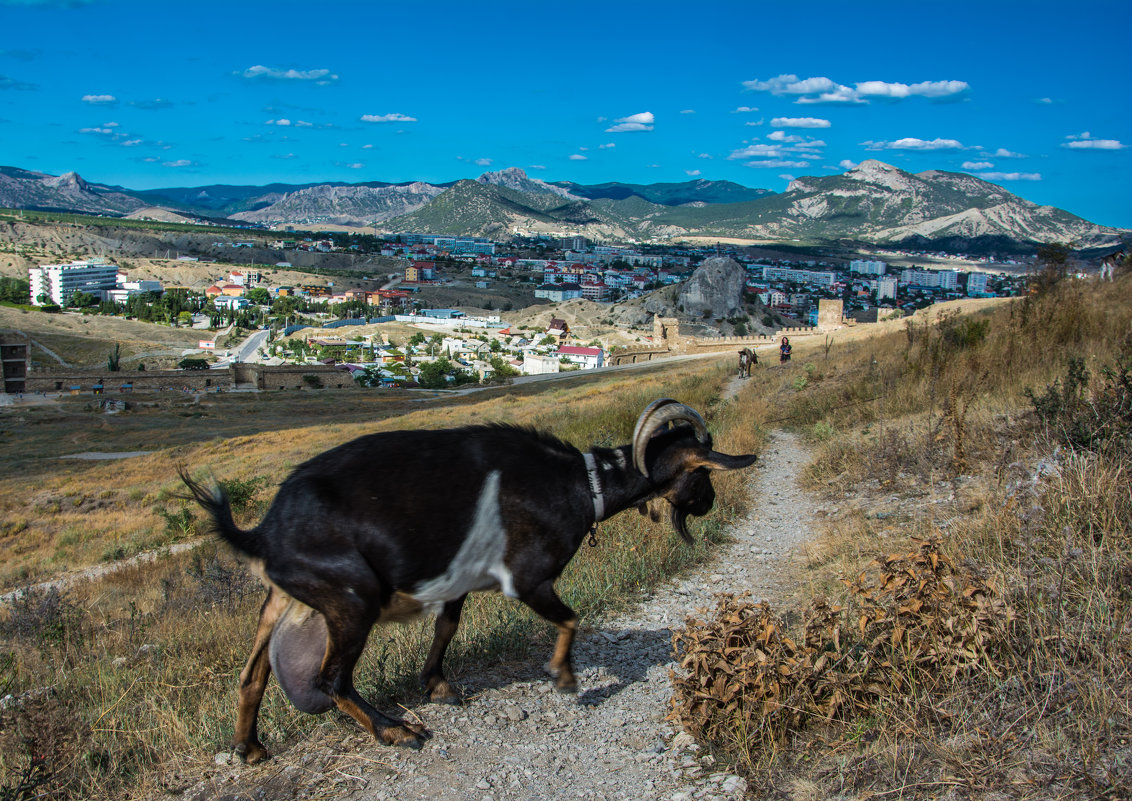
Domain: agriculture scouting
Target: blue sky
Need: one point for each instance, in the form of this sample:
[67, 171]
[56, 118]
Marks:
[1031, 95]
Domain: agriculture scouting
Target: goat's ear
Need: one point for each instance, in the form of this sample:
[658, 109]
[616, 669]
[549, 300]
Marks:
[722, 461]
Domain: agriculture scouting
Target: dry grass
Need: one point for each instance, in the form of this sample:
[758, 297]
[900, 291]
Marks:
[930, 434]
[127, 683]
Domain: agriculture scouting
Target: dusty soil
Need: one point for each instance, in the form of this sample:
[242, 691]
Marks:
[516, 738]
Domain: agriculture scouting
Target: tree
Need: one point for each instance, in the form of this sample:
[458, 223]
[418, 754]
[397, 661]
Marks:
[113, 361]
[503, 369]
[192, 364]
[14, 290]
[258, 295]
[80, 300]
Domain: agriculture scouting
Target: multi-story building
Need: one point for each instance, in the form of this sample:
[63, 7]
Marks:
[595, 291]
[866, 267]
[56, 283]
[977, 284]
[936, 279]
[886, 288]
[815, 277]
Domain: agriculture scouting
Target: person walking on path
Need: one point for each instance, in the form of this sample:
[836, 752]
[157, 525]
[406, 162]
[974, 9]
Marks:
[784, 350]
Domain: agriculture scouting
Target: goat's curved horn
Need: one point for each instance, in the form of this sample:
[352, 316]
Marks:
[657, 414]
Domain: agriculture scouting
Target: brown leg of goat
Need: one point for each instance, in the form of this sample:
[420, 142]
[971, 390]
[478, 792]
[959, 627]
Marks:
[432, 675]
[348, 630]
[253, 681]
[545, 601]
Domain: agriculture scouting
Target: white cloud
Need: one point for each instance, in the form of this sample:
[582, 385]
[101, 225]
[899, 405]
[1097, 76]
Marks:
[902, 90]
[1010, 176]
[105, 130]
[705, 156]
[775, 163]
[178, 163]
[795, 143]
[977, 165]
[1085, 141]
[131, 143]
[791, 85]
[688, 111]
[843, 94]
[643, 121]
[303, 124]
[786, 176]
[756, 124]
[799, 122]
[536, 167]
[825, 90]
[395, 117]
[1003, 153]
[100, 100]
[1045, 101]
[357, 165]
[285, 156]
[367, 147]
[577, 157]
[692, 173]
[744, 109]
[767, 151]
[484, 162]
[270, 73]
[911, 143]
[606, 146]
[282, 121]
[846, 164]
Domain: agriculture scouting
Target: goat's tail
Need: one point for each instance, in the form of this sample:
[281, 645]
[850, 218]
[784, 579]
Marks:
[215, 502]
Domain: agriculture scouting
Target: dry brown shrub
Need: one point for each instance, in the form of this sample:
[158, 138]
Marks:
[916, 621]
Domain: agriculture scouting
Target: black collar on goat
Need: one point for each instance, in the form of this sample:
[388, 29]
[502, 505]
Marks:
[397, 523]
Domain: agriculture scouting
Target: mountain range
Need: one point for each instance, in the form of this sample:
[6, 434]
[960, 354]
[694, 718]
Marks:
[872, 203]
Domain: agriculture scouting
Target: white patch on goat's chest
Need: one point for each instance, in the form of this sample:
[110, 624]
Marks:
[478, 565]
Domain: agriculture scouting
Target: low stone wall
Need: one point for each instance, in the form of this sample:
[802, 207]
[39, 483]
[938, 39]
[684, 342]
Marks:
[238, 376]
[103, 382]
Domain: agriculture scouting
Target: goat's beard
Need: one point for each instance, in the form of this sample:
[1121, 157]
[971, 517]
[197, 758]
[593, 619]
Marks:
[654, 511]
[680, 523]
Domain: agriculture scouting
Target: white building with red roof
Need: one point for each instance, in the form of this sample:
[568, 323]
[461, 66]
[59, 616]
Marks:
[586, 358]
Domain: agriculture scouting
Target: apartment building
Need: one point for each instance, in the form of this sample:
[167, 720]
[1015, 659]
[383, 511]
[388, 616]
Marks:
[56, 283]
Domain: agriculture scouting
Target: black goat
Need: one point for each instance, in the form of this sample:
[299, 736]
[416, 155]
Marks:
[395, 524]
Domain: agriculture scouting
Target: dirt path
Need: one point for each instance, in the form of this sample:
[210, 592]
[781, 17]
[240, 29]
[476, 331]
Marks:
[516, 738]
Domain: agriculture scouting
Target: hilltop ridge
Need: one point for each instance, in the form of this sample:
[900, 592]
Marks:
[873, 202]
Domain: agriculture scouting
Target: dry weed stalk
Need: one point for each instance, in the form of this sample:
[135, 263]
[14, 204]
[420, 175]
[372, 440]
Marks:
[917, 623]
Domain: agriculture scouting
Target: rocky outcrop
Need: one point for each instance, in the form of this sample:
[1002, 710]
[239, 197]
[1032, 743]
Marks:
[21, 189]
[343, 205]
[714, 291]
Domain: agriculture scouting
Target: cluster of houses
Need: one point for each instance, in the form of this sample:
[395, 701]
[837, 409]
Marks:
[374, 361]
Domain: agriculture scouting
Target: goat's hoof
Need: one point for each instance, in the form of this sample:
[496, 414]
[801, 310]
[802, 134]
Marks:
[251, 753]
[444, 693]
[566, 684]
[406, 735]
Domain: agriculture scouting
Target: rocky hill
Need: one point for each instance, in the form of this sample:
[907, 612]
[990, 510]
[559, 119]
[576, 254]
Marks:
[880, 203]
[342, 205]
[24, 189]
[871, 203]
[698, 192]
